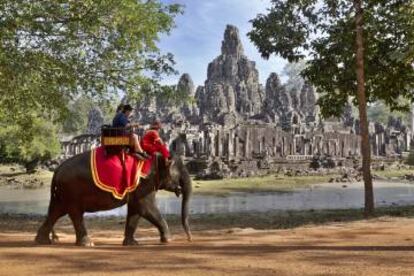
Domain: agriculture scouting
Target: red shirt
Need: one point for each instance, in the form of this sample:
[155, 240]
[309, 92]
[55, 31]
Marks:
[152, 143]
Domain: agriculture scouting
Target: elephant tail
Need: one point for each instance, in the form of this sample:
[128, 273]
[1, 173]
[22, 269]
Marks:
[53, 191]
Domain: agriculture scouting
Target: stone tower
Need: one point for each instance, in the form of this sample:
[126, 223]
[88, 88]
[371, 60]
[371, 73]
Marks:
[308, 102]
[232, 90]
[95, 121]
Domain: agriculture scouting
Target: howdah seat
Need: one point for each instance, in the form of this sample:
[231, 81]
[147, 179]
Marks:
[115, 139]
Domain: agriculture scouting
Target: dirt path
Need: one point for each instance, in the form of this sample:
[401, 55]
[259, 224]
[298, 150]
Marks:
[382, 246]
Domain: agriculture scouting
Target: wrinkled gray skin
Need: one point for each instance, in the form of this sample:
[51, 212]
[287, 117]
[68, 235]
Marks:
[74, 193]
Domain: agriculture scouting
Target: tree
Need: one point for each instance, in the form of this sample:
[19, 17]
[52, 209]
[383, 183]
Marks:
[76, 122]
[52, 52]
[16, 146]
[354, 48]
[379, 112]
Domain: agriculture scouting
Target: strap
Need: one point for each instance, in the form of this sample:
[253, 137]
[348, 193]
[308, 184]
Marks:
[124, 172]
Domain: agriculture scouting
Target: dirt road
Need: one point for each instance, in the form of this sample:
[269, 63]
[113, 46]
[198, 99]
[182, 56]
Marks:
[383, 246]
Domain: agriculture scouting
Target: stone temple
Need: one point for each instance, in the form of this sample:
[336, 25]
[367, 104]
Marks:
[234, 126]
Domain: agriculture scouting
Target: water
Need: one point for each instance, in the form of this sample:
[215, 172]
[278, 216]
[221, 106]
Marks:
[322, 196]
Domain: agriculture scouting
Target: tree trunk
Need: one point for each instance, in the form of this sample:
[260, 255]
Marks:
[31, 166]
[362, 103]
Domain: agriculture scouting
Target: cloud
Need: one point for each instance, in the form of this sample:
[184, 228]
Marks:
[197, 39]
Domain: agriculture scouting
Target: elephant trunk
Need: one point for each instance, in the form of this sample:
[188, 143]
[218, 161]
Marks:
[185, 208]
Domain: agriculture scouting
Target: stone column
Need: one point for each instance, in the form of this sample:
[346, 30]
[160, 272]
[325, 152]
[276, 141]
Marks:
[200, 146]
[205, 145]
[236, 146]
[220, 143]
[247, 144]
[212, 146]
[294, 149]
[376, 145]
[408, 141]
[229, 142]
[381, 144]
[261, 146]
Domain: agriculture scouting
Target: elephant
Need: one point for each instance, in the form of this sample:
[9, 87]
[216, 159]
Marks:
[73, 192]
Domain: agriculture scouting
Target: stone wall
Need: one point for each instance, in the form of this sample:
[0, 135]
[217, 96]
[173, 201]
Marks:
[79, 144]
[233, 126]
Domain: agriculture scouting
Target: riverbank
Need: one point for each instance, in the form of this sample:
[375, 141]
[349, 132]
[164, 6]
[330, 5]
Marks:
[380, 246]
[14, 176]
[200, 222]
[265, 184]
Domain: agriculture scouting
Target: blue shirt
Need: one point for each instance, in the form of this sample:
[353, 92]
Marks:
[120, 120]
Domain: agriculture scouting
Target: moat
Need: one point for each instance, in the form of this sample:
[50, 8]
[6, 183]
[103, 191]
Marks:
[316, 197]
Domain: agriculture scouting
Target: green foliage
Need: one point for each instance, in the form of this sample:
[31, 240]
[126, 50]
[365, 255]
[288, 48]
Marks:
[323, 32]
[379, 112]
[17, 145]
[53, 53]
[410, 158]
[76, 122]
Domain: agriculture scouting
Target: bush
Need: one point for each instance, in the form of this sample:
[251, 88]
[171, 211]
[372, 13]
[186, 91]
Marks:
[410, 158]
[29, 145]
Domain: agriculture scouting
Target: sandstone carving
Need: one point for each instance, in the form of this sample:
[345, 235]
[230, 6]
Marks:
[233, 127]
[95, 121]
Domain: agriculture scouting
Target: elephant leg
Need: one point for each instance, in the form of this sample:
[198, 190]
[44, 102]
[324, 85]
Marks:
[43, 234]
[130, 228]
[153, 215]
[55, 237]
[82, 238]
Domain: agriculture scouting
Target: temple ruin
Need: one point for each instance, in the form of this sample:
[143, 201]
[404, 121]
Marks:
[235, 126]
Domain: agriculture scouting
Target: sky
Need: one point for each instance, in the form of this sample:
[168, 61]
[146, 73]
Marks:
[196, 40]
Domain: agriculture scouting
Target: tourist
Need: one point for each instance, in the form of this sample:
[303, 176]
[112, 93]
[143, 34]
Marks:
[121, 120]
[152, 142]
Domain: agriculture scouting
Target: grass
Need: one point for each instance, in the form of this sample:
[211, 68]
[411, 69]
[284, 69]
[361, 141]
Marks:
[265, 184]
[394, 172]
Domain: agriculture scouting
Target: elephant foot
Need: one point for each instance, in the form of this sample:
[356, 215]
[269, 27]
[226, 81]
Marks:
[86, 242]
[43, 239]
[55, 238]
[130, 242]
[165, 240]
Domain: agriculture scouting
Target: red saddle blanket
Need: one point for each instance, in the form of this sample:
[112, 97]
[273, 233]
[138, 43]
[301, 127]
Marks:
[108, 173]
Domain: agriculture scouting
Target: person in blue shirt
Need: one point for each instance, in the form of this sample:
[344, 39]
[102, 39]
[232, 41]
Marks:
[121, 120]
